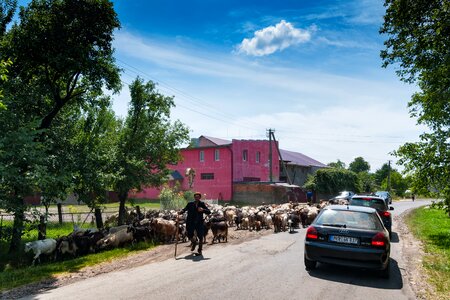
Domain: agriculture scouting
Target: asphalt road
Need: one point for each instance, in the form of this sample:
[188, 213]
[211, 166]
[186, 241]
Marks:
[267, 268]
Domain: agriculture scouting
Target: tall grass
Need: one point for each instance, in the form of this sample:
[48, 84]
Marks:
[432, 227]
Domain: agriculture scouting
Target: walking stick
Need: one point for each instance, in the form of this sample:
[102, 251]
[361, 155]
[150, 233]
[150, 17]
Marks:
[176, 237]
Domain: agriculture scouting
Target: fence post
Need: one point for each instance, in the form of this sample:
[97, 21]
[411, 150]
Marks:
[42, 228]
[138, 212]
[1, 227]
[60, 218]
[98, 218]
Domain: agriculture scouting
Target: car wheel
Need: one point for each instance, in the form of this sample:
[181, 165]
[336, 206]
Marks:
[386, 272]
[310, 264]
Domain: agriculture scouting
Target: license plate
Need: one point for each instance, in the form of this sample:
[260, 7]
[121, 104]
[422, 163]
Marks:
[344, 239]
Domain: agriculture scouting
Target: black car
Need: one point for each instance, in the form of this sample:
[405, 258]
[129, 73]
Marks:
[350, 236]
[385, 195]
[379, 204]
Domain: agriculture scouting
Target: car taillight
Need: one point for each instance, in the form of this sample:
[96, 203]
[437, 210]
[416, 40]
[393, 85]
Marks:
[379, 239]
[311, 233]
[386, 214]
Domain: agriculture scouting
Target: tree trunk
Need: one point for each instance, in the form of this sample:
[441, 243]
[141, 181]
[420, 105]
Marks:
[122, 199]
[60, 218]
[42, 228]
[16, 238]
[98, 218]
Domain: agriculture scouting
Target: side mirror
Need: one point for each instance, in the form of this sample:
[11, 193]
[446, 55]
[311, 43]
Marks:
[391, 208]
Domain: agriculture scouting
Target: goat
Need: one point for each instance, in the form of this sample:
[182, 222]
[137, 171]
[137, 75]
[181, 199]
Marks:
[39, 247]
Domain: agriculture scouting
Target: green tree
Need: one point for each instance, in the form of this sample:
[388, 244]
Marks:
[95, 148]
[148, 141]
[65, 47]
[3, 77]
[398, 183]
[382, 173]
[7, 10]
[338, 164]
[332, 181]
[359, 165]
[418, 40]
[367, 181]
[61, 53]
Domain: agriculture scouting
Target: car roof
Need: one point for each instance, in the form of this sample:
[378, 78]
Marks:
[367, 197]
[351, 208]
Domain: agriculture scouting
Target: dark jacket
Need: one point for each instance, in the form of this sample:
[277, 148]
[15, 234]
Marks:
[194, 217]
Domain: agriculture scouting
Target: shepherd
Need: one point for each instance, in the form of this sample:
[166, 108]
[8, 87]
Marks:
[195, 222]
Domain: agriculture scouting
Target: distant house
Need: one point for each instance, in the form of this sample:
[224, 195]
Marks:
[222, 166]
[298, 167]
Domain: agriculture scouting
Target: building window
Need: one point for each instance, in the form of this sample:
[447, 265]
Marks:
[217, 155]
[258, 156]
[202, 155]
[207, 176]
[245, 155]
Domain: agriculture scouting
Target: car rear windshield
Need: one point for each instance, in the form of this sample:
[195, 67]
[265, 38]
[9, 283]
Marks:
[369, 202]
[349, 219]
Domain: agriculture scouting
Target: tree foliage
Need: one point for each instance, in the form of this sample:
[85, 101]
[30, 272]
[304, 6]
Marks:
[3, 77]
[418, 42]
[337, 165]
[367, 182]
[148, 141]
[64, 47]
[93, 146]
[332, 181]
[398, 184]
[61, 53]
[382, 173]
[359, 165]
[7, 10]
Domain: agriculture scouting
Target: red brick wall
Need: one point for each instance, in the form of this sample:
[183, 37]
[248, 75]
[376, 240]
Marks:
[250, 167]
[218, 188]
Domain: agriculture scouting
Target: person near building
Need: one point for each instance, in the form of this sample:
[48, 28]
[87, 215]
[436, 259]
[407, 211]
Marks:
[309, 196]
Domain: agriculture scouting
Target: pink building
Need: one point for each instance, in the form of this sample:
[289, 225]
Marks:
[218, 163]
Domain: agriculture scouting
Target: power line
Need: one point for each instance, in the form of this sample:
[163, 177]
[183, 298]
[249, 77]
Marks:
[216, 114]
[188, 97]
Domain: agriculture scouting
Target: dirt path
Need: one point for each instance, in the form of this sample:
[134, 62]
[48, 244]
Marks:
[413, 254]
[412, 251]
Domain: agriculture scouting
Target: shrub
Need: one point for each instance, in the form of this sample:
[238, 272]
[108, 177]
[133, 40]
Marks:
[172, 199]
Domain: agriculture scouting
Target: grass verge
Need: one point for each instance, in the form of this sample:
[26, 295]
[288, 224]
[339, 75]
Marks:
[432, 227]
[15, 270]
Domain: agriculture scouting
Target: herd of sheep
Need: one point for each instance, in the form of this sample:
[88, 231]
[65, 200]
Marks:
[168, 226]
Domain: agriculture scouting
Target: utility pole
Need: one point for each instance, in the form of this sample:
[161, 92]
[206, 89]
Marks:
[283, 165]
[389, 177]
[270, 132]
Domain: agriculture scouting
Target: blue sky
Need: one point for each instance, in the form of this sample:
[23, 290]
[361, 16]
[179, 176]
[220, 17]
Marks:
[308, 69]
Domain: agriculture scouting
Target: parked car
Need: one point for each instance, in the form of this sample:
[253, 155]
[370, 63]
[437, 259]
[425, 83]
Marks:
[350, 236]
[344, 195]
[385, 195]
[379, 204]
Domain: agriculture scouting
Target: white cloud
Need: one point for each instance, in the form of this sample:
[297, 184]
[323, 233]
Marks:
[274, 38]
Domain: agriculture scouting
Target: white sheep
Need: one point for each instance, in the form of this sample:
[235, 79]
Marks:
[39, 247]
